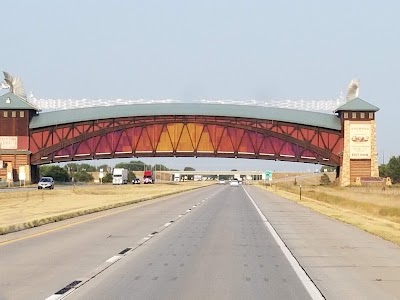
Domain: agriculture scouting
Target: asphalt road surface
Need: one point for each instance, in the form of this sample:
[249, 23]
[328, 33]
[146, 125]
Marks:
[220, 250]
[218, 242]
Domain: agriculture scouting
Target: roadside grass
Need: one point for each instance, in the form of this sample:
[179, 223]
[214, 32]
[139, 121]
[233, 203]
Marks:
[369, 208]
[33, 208]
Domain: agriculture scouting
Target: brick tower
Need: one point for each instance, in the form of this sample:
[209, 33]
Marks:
[359, 157]
[15, 115]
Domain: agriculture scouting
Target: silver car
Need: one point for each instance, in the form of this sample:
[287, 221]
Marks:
[46, 183]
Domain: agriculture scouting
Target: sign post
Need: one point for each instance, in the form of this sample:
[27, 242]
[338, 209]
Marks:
[268, 175]
[101, 175]
[21, 175]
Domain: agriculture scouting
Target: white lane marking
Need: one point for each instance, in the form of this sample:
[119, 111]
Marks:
[194, 206]
[188, 210]
[54, 297]
[146, 238]
[113, 259]
[180, 216]
[305, 280]
[167, 224]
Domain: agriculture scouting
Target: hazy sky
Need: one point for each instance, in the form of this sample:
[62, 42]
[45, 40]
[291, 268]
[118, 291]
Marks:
[190, 50]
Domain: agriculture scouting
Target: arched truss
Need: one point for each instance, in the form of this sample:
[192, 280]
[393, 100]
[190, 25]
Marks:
[195, 136]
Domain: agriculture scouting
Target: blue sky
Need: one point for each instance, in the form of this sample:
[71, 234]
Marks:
[190, 50]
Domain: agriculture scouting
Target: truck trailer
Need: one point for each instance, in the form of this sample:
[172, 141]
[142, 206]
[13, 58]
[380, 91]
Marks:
[120, 176]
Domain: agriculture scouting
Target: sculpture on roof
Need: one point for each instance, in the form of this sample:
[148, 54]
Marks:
[14, 84]
[353, 89]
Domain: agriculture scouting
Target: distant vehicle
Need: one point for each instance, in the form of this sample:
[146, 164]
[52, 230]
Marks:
[177, 177]
[147, 180]
[120, 176]
[234, 182]
[136, 181]
[46, 183]
[222, 181]
[148, 177]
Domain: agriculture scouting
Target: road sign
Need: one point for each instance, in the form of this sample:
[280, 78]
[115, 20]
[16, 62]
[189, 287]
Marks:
[268, 175]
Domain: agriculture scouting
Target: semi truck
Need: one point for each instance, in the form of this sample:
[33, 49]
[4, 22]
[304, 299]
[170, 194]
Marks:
[177, 177]
[120, 176]
[148, 177]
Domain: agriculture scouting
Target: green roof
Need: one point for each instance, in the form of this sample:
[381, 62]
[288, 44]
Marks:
[317, 119]
[12, 101]
[357, 104]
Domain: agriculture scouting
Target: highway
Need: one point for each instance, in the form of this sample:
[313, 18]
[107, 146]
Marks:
[218, 242]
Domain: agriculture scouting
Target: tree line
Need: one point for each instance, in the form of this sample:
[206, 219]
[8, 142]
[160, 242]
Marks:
[82, 172]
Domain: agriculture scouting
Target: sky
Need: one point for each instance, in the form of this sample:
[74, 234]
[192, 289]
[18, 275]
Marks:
[209, 49]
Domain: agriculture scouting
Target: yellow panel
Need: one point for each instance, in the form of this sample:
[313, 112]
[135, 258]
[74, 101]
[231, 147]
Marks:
[185, 142]
[165, 142]
[205, 143]
[174, 132]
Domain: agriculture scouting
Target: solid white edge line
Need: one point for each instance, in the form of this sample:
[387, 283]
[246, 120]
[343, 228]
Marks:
[113, 259]
[167, 224]
[305, 280]
[54, 297]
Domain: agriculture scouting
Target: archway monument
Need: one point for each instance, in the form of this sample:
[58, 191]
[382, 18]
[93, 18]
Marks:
[345, 139]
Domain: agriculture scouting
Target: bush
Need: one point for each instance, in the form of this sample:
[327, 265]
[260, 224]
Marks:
[59, 174]
[82, 176]
[108, 178]
[325, 180]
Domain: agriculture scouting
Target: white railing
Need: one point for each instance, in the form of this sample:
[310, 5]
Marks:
[309, 105]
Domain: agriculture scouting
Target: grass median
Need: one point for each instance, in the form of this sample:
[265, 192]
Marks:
[372, 209]
[31, 207]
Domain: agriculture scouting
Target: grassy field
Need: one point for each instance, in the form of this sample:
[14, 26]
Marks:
[369, 208]
[30, 208]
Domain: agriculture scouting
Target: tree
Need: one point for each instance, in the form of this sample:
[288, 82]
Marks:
[383, 171]
[107, 178]
[325, 180]
[131, 176]
[392, 169]
[72, 167]
[87, 168]
[106, 168]
[189, 169]
[59, 174]
[328, 169]
[134, 166]
[159, 167]
[82, 176]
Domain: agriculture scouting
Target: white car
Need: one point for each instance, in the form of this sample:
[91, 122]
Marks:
[46, 183]
[234, 182]
[222, 181]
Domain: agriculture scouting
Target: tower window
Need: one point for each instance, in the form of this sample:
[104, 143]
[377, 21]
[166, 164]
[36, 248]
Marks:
[346, 115]
[14, 114]
[5, 114]
[353, 115]
[371, 115]
[362, 115]
[21, 114]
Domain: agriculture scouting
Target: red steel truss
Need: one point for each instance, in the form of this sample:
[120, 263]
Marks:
[196, 136]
